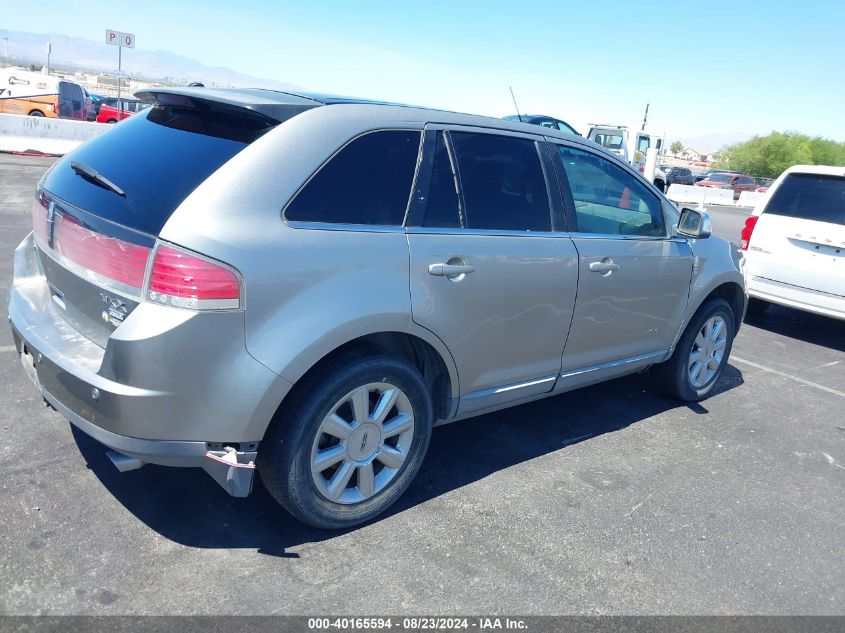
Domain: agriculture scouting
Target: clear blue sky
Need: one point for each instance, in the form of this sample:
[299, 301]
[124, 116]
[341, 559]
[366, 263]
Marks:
[733, 68]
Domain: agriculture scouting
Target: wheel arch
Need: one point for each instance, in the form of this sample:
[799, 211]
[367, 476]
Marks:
[430, 357]
[729, 290]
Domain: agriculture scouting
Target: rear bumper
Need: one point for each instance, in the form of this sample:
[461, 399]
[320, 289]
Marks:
[814, 301]
[171, 387]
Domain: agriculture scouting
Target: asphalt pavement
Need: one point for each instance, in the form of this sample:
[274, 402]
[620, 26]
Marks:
[608, 500]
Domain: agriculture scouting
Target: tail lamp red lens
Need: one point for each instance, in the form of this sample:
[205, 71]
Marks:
[116, 260]
[747, 230]
[177, 277]
[181, 279]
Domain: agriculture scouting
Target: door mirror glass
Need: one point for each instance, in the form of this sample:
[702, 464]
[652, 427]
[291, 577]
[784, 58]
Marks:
[695, 224]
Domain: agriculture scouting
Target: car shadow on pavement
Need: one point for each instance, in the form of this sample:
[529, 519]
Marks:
[803, 326]
[187, 507]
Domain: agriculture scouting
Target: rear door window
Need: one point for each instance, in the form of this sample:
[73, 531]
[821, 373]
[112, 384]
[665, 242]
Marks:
[810, 197]
[608, 199]
[443, 208]
[367, 182]
[502, 182]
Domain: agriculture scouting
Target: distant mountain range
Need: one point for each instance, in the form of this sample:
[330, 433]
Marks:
[711, 143]
[88, 55]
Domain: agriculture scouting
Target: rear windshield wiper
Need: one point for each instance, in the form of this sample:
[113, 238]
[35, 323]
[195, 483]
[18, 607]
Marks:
[96, 178]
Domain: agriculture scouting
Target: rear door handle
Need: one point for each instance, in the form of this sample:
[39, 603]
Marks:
[603, 266]
[450, 270]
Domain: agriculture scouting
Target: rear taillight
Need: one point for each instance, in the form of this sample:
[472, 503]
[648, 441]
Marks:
[747, 230]
[109, 257]
[184, 280]
[39, 217]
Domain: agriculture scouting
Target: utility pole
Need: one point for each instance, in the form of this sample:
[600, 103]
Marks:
[5, 51]
[645, 117]
[49, 50]
[119, 79]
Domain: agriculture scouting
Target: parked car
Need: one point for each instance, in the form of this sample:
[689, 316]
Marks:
[795, 243]
[111, 112]
[307, 300]
[40, 95]
[544, 121]
[96, 102]
[737, 182]
[680, 176]
[706, 175]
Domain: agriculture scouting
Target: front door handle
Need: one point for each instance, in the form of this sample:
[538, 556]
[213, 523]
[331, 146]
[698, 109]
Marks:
[450, 270]
[605, 266]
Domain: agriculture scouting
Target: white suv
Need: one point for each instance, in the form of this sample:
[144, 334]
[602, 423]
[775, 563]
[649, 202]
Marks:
[795, 242]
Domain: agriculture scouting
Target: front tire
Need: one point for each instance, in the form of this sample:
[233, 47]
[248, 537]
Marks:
[700, 355]
[349, 442]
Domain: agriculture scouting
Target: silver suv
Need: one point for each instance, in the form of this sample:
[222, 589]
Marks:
[304, 286]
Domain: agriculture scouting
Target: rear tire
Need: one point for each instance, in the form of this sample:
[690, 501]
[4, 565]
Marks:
[700, 355]
[36, 113]
[350, 440]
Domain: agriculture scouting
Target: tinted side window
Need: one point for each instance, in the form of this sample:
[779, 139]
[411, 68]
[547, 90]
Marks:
[608, 199]
[367, 182]
[442, 207]
[502, 182]
[810, 197]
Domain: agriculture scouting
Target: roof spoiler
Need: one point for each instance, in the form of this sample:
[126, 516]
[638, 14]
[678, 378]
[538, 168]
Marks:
[278, 106]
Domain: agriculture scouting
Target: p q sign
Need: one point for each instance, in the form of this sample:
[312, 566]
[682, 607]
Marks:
[116, 38]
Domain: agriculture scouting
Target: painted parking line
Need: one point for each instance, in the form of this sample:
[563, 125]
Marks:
[7, 348]
[809, 383]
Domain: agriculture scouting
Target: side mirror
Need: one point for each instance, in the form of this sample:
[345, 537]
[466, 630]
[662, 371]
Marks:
[695, 224]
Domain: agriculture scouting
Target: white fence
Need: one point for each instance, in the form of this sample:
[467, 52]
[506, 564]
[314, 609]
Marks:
[750, 198]
[691, 194]
[44, 134]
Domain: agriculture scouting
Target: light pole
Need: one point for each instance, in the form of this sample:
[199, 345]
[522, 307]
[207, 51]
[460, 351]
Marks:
[5, 51]
[49, 50]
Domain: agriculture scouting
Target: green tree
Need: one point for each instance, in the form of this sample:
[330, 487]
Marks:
[768, 156]
[677, 147]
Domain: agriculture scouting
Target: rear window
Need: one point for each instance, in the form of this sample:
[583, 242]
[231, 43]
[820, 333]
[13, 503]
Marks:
[810, 197]
[366, 182]
[157, 157]
[610, 141]
[720, 178]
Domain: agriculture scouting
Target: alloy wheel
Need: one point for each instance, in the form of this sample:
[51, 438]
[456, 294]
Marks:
[708, 350]
[360, 446]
